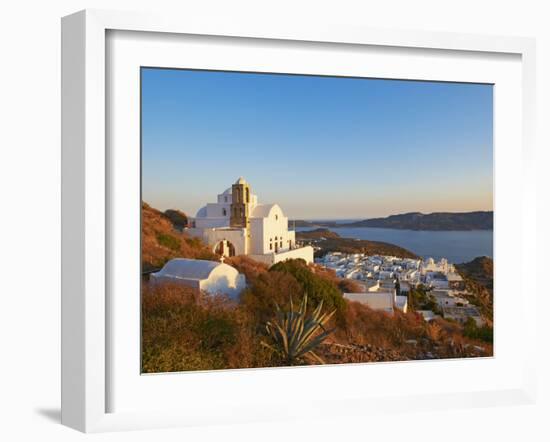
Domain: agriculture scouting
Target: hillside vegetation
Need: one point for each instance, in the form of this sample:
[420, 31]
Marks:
[177, 218]
[186, 330]
[162, 241]
[478, 275]
[183, 329]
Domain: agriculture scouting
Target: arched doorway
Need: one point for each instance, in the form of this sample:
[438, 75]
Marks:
[224, 248]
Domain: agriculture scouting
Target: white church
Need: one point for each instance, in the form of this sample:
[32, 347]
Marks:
[207, 276]
[237, 225]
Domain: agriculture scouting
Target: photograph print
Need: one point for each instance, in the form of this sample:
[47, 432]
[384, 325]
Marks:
[299, 220]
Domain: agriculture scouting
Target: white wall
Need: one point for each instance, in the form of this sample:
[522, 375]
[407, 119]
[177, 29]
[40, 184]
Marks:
[274, 226]
[257, 243]
[224, 279]
[305, 253]
[215, 210]
[29, 191]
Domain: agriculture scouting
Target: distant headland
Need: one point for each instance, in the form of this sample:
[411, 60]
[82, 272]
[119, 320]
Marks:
[416, 221]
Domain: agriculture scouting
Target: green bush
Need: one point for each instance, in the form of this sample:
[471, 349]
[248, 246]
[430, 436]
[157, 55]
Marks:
[483, 333]
[176, 217]
[317, 288]
[168, 241]
[421, 299]
[194, 242]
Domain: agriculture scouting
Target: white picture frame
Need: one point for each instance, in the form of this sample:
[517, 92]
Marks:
[86, 205]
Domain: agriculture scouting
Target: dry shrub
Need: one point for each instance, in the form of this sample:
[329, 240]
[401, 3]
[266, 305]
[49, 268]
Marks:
[367, 326]
[349, 286]
[166, 295]
[264, 292]
[448, 328]
[183, 329]
[453, 343]
[433, 331]
[325, 272]
[247, 266]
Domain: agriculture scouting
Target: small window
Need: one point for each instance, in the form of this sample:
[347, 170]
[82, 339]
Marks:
[281, 244]
[225, 198]
[224, 212]
[276, 217]
[270, 246]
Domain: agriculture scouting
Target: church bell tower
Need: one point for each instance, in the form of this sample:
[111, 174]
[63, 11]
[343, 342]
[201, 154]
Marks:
[240, 204]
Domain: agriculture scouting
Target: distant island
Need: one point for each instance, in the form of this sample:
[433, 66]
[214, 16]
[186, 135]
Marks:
[416, 221]
[325, 241]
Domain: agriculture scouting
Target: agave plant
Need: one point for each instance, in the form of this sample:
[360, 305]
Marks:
[295, 334]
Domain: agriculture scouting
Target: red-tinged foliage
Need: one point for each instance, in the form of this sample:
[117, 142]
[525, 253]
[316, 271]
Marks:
[247, 266]
[183, 329]
[161, 241]
[266, 291]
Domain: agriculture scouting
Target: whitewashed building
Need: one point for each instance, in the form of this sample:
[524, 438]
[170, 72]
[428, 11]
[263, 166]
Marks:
[236, 224]
[431, 266]
[208, 276]
[461, 314]
[382, 300]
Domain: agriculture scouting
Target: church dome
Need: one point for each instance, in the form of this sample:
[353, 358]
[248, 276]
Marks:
[201, 213]
[241, 180]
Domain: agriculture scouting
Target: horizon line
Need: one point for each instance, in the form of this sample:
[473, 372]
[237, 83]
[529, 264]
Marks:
[332, 218]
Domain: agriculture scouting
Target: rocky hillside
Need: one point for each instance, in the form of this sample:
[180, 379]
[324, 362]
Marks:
[162, 241]
[183, 330]
[304, 223]
[480, 269]
[478, 275]
[317, 234]
[327, 241]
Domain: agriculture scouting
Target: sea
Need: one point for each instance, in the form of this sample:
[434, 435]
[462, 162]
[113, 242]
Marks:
[456, 246]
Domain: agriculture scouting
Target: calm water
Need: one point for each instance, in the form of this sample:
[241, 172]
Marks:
[456, 246]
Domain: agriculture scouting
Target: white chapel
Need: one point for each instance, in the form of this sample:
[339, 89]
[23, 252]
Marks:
[237, 225]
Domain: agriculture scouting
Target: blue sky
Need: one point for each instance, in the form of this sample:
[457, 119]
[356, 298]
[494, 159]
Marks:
[321, 147]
